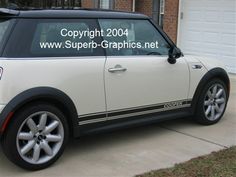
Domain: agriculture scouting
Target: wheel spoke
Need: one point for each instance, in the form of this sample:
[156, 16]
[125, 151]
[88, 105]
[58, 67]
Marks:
[28, 147]
[36, 153]
[220, 101]
[46, 148]
[209, 94]
[208, 110]
[207, 103]
[51, 127]
[53, 138]
[25, 136]
[43, 121]
[217, 108]
[214, 91]
[212, 113]
[219, 93]
[32, 126]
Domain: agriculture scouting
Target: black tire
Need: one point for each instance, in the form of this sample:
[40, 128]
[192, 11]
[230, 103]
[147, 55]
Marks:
[200, 115]
[10, 141]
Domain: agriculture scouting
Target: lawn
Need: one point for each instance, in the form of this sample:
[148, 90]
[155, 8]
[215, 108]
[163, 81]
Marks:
[217, 164]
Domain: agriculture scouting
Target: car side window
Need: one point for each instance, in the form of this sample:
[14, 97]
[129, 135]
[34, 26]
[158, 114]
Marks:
[53, 38]
[49, 39]
[137, 37]
[5, 29]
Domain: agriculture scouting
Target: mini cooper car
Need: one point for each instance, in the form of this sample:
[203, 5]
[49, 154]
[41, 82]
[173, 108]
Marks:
[67, 73]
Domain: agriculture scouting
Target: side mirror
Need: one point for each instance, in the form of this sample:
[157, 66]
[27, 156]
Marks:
[174, 54]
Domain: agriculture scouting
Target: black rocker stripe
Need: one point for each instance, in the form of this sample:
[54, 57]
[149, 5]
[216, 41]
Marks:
[92, 116]
[103, 116]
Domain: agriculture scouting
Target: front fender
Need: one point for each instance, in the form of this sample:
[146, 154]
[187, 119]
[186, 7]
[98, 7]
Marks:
[213, 73]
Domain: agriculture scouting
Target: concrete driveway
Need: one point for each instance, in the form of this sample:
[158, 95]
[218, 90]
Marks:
[134, 151]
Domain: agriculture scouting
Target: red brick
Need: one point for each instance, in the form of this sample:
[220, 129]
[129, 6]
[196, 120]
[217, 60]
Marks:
[124, 5]
[87, 3]
[171, 18]
[144, 6]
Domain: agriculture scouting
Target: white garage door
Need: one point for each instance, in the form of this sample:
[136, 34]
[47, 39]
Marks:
[208, 27]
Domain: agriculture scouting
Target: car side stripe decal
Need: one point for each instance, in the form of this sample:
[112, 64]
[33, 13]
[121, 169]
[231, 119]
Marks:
[124, 113]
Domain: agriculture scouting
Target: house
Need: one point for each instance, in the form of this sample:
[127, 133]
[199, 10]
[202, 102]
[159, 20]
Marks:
[201, 27]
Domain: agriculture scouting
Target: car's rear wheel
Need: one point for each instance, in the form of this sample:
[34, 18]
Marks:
[212, 102]
[36, 137]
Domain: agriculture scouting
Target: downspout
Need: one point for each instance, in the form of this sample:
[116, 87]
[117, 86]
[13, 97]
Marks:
[134, 3]
[179, 23]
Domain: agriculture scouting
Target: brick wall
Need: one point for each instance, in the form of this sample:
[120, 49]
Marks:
[144, 6]
[124, 5]
[171, 18]
[87, 3]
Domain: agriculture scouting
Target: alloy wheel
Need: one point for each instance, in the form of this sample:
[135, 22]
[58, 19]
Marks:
[215, 102]
[40, 137]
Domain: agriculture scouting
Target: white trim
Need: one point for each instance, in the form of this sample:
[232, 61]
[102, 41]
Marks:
[179, 19]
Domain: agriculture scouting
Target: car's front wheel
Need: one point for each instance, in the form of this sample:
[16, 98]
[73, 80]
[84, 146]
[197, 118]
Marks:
[36, 137]
[212, 102]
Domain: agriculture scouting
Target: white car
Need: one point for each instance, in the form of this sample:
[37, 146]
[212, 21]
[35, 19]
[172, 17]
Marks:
[73, 72]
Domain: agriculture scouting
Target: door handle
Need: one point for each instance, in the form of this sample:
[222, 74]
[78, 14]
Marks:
[117, 68]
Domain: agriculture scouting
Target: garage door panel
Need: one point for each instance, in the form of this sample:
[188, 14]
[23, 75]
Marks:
[194, 49]
[194, 16]
[193, 4]
[200, 26]
[212, 16]
[229, 61]
[212, 49]
[229, 39]
[214, 27]
[194, 36]
[228, 51]
[229, 17]
[228, 28]
[211, 37]
[194, 26]
[228, 5]
[208, 28]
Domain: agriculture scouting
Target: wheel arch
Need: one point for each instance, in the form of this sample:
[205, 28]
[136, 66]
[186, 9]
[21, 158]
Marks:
[41, 94]
[211, 74]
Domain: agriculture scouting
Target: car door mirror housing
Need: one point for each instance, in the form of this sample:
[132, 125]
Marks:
[174, 54]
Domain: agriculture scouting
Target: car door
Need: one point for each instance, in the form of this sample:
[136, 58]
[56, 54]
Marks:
[138, 77]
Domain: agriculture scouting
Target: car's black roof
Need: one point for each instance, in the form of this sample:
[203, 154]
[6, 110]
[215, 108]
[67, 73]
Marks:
[70, 13]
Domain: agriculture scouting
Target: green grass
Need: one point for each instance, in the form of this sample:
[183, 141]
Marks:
[217, 164]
